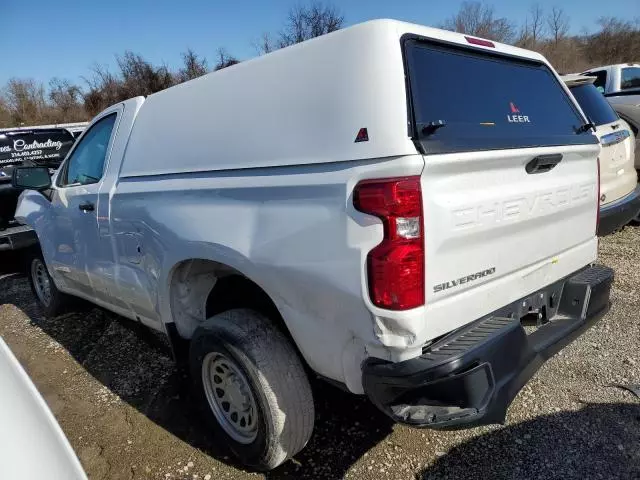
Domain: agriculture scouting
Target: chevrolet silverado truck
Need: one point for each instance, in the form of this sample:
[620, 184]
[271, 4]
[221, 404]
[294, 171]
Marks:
[352, 208]
[621, 85]
[619, 189]
[42, 146]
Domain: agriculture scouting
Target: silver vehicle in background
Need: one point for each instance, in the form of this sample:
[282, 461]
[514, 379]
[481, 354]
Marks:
[619, 190]
[621, 85]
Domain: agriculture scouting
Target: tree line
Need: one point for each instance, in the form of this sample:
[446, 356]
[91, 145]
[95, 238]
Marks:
[27, 102]
[615, 41]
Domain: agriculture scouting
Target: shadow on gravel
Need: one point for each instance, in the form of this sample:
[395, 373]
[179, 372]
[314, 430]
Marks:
[598, 441]
[135, 364]
[10, 262]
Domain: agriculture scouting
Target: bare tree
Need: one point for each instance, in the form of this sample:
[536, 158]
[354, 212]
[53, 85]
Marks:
[25, 100]
[194, 66]
[136, 77]
[65, 101]
[225, 60]
[537, 22]
[265, 44]
[558, 23]
[303, 23]
[103, 90]
[524, 38]
[531, 32]
[479, 19]
[5, 114]
[140, 77]
[617, 41]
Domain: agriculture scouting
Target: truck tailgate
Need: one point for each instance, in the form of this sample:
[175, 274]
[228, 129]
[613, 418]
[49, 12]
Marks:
[486, 217]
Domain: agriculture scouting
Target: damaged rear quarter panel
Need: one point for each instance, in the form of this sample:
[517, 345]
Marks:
[295, 234]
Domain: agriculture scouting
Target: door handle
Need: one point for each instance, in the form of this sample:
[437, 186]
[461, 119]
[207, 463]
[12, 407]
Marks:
[87, 207]
[543, 163]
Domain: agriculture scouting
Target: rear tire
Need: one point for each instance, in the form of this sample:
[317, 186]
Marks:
[52, 300]
[252, 387]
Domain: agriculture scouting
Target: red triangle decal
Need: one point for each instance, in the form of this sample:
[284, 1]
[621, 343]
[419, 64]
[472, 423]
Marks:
[363, 135]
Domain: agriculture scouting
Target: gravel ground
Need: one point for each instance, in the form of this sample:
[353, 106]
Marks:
[128, 413]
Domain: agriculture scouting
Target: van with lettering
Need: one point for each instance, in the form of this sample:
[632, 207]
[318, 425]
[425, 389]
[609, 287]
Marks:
[27, 146]
[351, 208]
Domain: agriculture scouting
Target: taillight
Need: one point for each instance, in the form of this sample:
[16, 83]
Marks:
[395, 267]
[598, 198]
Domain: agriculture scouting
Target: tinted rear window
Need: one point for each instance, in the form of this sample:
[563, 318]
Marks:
[487, 101]
[601, 79]
[594, 105]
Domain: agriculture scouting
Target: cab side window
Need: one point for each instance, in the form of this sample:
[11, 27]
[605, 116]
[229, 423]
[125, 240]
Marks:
[86, 163]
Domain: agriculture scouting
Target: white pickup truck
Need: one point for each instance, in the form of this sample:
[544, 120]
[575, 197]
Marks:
[352, 207]
[621, 85]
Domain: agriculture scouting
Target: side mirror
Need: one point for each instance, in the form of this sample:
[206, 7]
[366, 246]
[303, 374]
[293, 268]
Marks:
[31, 178]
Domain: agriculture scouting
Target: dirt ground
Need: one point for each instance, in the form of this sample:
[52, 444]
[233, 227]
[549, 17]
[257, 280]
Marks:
[128, 413]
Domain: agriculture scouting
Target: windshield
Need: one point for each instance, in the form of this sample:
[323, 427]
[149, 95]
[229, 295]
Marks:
[594, 105]
[467, 100]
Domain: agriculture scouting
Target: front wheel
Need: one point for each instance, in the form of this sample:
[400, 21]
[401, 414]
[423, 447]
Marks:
[52, 300]
[252, 387]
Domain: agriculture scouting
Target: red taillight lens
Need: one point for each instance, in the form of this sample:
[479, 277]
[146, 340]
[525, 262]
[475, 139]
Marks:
[395, 267]
[479, 41]
[396, 276]
[598, 198]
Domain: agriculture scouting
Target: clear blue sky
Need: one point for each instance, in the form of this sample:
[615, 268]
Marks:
[42, 39]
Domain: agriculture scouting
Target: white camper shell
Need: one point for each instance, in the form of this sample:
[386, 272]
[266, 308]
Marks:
[301, 105]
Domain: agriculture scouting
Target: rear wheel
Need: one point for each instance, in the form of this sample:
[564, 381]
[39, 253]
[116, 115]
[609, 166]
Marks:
[252, 387]
[52, 300]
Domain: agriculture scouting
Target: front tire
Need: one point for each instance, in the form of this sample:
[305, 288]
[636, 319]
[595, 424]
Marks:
[52, 300]
[252, 387]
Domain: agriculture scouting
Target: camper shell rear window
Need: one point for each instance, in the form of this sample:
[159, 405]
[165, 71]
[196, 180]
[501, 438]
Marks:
[466, 99]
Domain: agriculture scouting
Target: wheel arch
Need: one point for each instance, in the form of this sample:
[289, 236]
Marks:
[199, 288]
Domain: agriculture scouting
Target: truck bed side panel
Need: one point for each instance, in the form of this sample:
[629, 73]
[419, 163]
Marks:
[293, 231]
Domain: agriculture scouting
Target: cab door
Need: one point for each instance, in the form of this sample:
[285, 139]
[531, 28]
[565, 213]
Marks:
[74, 207]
